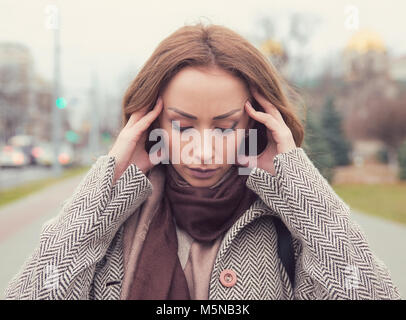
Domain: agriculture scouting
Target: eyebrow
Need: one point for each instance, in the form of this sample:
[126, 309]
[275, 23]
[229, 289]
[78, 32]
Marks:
[191, 116]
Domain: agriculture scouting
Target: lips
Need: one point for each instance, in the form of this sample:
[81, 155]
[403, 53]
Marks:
[202, 173]
[202, 170]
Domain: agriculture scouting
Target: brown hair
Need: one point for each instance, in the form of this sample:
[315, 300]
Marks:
[199, 45]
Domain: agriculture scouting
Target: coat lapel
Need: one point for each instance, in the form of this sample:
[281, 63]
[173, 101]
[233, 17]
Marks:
[257, 210]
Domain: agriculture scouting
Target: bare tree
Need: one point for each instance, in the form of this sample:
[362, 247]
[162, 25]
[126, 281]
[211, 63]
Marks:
[383, 119]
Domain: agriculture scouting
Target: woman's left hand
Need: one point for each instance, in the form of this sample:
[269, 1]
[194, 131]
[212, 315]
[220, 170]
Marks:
[280, 138]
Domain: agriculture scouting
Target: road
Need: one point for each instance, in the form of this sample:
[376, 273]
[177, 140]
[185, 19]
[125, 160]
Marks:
[387, 240]
[21, 222]
[13, 177]
[20, 226]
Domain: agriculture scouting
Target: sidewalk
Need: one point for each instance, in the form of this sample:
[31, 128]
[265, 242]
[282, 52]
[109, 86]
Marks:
[21, 222]
[387, 239]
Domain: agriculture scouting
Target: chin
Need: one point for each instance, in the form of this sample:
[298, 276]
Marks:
[199, 182]
[194, 181]
[202, 182]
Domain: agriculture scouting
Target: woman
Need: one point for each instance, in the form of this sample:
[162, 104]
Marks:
[136, 229]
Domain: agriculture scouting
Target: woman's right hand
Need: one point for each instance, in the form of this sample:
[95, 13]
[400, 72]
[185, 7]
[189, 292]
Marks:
[129, 146]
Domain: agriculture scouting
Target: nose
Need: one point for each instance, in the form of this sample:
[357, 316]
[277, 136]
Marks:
[205, 154]
[203, 148]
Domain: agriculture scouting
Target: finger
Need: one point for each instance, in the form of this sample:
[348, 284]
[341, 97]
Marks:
[145, 122]
[267, 105]
[137, 115]
[134, 117]
[265, 118]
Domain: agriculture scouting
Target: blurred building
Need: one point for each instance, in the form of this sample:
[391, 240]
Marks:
[367, 65]
[25, 97]
[16, 68]
[367, 80]
[398, 69]
[365, 54]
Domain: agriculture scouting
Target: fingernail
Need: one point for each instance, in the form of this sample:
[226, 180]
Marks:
[249, 104]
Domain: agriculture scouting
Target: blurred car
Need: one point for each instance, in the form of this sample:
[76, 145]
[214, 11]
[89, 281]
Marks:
[44, 154]
[12, 156]
[26, 143]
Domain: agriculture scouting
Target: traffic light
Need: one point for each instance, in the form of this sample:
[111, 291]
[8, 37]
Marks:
[60, 103]
[72, 136]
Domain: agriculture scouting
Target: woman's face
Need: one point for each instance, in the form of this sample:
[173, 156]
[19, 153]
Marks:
[204, 98]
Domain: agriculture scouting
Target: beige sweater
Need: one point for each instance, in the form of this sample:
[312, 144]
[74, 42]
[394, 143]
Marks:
[197, 260]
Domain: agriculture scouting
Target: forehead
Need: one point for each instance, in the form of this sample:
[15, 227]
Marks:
[205, 92]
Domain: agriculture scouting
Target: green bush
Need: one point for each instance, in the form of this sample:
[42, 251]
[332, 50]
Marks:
[316, 146]
[333, 134]
[382, 156]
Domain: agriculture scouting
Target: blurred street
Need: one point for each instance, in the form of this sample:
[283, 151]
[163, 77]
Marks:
[20, 226]
[387, 240]
[21, 222]
[13, 177]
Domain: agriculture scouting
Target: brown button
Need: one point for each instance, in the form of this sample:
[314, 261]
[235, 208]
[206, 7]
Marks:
[228, 278]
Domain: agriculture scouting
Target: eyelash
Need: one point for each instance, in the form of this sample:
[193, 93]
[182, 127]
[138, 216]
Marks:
[181, 129]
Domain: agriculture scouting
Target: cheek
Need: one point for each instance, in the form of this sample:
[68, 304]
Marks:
[168, 139]
[231, 146]
[174, 144]
[238, 141]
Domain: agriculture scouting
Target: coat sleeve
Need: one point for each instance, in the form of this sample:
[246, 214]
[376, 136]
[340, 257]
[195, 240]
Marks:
[334, 260]
[70, 245]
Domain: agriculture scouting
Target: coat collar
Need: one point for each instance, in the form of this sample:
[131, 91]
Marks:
[257, 210]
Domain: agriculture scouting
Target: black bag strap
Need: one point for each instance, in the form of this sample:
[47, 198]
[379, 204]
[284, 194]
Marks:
[285, 249]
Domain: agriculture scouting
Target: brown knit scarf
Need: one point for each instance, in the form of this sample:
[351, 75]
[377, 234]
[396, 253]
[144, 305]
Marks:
[204, 212]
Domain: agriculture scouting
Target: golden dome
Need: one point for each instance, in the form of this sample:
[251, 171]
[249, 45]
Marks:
[365, 40]
[270, 48]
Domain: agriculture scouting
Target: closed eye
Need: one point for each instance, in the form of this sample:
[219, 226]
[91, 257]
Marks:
[223, 130]
[182, 129]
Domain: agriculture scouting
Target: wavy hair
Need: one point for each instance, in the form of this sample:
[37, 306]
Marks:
[213, 45]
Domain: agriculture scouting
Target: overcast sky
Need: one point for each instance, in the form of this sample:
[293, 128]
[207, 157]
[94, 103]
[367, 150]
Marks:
[114, 37]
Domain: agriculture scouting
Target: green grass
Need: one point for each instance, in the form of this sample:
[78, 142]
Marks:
[384, 200]
[16, 193]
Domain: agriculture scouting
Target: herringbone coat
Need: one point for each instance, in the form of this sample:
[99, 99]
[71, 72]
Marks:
[80, 253]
